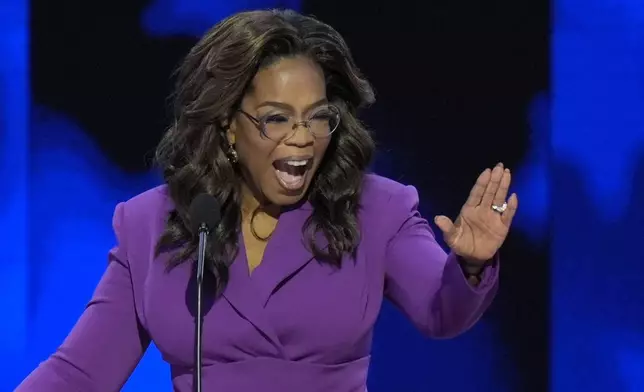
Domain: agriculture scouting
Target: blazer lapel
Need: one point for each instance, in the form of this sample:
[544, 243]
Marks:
[286, 253]
[242, 294]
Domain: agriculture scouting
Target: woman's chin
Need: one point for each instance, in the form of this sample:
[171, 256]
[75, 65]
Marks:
[284, 200]
[282, 196]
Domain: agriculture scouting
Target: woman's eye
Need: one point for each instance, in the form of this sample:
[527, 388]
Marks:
[322, 116]
[276, 118]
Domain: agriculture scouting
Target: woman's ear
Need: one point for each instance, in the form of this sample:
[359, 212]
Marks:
[230, 134]
[229, 126]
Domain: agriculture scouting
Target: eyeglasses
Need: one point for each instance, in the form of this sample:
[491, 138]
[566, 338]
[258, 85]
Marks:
[322, 122]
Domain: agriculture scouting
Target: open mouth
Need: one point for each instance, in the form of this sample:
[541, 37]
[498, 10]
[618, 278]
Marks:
[291, 171]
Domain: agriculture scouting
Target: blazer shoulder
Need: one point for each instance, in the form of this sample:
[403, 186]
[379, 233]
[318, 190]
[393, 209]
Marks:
[377, 191]
[143, 217]
[148, 205]
[386, 203]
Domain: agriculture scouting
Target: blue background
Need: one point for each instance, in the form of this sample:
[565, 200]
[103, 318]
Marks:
[580, 177]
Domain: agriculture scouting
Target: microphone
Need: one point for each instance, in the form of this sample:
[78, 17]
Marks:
[204, 215]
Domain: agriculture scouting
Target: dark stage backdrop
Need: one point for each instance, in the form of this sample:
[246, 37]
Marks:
[460, 86]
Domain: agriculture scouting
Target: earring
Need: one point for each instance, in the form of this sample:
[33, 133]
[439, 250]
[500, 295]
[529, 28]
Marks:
[232, 154]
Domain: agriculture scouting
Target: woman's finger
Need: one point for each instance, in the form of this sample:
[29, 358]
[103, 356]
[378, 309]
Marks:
[504, 186]
[492, 186]
[508, 214]
[476, 193]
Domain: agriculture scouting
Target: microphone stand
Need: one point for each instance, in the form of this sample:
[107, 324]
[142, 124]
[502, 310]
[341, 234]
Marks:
[201, 256]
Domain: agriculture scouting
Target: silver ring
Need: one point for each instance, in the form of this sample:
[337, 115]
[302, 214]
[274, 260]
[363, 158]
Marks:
[500, 209]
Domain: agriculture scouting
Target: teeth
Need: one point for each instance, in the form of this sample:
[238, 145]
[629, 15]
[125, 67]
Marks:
[296, 163]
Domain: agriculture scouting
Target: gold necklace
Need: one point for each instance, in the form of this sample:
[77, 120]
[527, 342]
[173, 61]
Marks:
[256, 212]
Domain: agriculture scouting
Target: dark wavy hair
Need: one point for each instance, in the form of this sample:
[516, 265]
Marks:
[192, 154]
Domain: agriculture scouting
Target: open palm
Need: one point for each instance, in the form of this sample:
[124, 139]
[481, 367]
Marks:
[479, 230]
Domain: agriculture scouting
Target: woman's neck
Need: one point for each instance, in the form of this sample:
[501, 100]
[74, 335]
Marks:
[251, 202]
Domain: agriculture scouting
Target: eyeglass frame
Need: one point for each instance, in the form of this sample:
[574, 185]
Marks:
[305, 123]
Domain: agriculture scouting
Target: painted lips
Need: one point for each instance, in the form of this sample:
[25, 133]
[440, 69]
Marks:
[291, 171]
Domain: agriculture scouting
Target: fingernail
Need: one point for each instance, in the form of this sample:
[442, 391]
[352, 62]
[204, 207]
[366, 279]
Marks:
[500, 164]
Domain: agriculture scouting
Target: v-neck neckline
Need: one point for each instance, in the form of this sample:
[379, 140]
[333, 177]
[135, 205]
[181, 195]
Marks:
[286, 254]
[265, 252]
[286, 214]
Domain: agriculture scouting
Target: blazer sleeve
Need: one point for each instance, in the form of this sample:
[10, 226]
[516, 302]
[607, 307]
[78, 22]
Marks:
[106, 343]
[428, 285]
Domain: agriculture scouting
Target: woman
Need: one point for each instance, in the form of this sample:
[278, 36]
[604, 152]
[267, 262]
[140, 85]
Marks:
[308, 246]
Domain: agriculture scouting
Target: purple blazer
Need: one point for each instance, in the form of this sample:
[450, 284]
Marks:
[293, 325]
